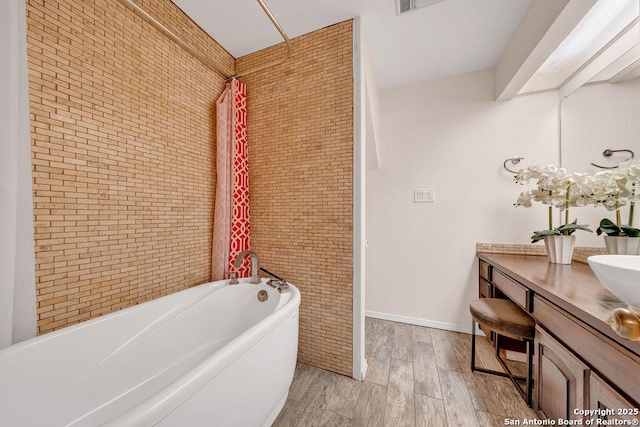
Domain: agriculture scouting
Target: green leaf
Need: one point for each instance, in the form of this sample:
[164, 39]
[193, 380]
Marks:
[539, 235]
[609, 228]
[547, 232]
[567, 229]
[536, 238]
[630, 231]
[571, 228]
[607, 223]
[584, 227]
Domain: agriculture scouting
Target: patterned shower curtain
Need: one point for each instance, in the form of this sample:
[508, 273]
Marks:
[231, 218]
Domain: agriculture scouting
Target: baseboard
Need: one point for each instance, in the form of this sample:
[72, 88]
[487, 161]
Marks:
[365, 365]
[422, 322]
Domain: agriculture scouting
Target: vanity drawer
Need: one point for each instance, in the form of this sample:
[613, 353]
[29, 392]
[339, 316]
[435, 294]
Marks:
[485, 289]
[613, 362]
[485, 271]
[514, 290]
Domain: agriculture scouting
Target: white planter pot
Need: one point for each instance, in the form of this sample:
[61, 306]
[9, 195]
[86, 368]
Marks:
[560, 248]
[622, 245]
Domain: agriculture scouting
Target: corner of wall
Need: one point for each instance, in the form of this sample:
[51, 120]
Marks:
[360, 137]
[372, 96]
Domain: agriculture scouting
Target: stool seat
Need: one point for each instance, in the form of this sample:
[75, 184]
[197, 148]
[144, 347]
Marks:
[504, 317]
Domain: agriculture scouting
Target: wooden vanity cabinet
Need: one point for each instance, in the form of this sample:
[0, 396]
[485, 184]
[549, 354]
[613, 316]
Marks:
[512, 290]
[485, 288]
[604, 397]
[562, 379]
[580, 363]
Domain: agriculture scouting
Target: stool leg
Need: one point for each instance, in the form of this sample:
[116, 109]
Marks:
[528, 397]
[529, 373]
[473, 345]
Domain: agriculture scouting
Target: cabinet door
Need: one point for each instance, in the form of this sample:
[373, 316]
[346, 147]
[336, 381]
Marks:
[561, 379]
[612, 404]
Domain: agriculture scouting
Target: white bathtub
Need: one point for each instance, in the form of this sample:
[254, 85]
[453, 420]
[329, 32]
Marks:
[212, 355]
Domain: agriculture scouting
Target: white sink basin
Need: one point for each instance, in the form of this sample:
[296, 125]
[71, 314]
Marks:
[620, 274]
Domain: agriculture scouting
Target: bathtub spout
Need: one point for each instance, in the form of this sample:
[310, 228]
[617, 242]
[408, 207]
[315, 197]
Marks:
[255, 279]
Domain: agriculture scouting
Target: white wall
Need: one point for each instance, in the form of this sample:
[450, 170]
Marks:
[17, 268]
[452, 136]
[595, 118]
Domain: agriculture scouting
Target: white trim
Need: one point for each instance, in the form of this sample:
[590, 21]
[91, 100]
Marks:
[422, 322]
[365, 366]
[17, 264]
[359, 361]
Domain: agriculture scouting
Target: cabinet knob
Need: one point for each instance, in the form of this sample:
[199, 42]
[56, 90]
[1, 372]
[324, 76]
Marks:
[625, 323]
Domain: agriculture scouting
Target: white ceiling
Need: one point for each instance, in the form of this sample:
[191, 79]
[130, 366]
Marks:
[445, 39]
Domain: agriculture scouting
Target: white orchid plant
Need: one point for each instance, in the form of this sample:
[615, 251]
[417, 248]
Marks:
[555, 187]
[614, 189]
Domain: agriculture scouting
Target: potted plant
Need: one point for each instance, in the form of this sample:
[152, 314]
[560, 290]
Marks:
[615, 189]
[555, 188]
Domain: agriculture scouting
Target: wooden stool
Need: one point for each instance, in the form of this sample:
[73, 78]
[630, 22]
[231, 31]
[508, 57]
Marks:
[505, 318]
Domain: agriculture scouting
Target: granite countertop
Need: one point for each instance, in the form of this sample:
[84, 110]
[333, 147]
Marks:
[574, 288]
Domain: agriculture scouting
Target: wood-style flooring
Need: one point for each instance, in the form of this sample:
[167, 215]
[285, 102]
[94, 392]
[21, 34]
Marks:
[416, 377]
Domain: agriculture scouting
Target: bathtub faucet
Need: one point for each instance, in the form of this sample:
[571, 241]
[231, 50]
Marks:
[255, 279]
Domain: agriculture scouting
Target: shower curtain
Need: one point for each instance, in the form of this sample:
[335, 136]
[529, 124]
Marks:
[231, 217]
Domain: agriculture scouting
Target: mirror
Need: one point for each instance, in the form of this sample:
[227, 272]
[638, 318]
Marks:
[600, 103]
[593, 119]
[596, 118]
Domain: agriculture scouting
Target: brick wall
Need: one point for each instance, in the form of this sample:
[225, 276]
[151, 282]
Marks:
[300, 129]
[123, 140]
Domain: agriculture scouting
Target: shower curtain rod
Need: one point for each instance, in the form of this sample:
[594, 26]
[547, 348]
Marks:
[282, 34]
[204, 60]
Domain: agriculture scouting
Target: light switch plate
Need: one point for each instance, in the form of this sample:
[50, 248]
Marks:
[421, 195]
